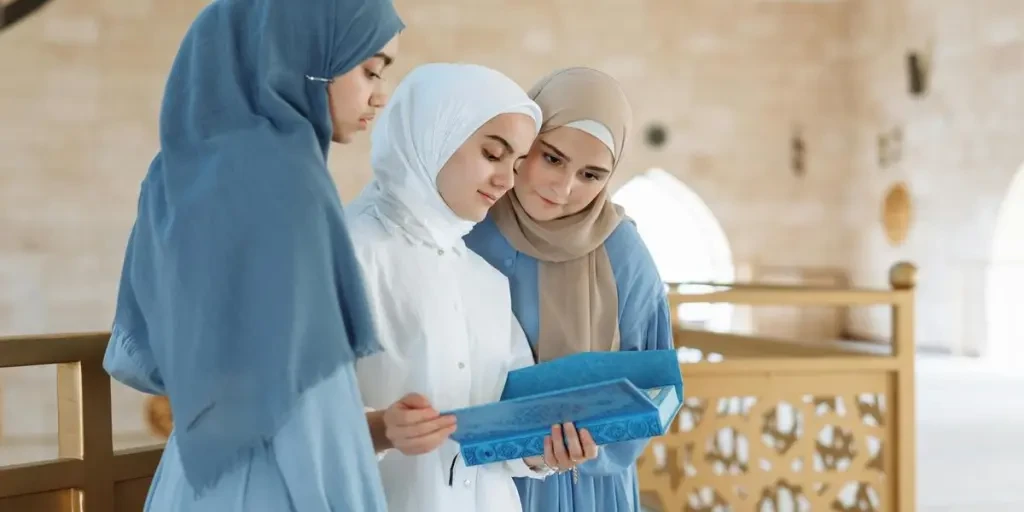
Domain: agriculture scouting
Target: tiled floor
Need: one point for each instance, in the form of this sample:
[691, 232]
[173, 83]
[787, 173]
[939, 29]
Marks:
[970, 425]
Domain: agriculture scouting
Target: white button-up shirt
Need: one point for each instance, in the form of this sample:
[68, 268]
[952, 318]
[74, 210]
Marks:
[446, 324]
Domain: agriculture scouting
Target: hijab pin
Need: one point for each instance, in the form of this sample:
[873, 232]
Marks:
[318, 79]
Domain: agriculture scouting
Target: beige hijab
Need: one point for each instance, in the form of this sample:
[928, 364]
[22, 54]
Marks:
[578, 295]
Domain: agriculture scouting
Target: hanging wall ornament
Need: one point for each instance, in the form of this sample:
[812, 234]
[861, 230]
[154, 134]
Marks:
[655, 135]
[890, 147]
[897, 213]
[797, 150]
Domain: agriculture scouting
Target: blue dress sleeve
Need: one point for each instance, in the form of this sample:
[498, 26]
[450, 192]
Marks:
[132, 365]
[654, 334]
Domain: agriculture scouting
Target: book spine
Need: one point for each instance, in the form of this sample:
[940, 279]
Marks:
[604, 431]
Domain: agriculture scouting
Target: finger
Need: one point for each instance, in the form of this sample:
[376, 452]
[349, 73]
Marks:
[401, 417]
[415, 401]
[572, 441]
[424, 428]
[549, 453]
[590, 449]
[558, 445]
[430, 442]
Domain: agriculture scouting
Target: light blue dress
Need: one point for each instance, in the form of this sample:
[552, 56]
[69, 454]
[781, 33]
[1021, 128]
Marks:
[306, 467]
[609, 482]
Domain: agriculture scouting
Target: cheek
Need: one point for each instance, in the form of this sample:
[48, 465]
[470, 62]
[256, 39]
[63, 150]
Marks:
[529, 173]
[347, 98]
[585, 192]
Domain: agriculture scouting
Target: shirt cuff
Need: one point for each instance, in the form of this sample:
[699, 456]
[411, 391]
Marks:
[380, 455]
[519, 468]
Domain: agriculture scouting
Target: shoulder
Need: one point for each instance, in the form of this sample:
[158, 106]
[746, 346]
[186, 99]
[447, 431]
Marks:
[628, 251]
[365, 229]
[636, 274]
[371, 241]
[487, 241]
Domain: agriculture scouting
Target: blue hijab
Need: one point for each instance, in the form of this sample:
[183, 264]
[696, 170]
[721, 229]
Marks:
[240, 287]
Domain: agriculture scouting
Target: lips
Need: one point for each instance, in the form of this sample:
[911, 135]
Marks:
[487, 196]
[549, 202]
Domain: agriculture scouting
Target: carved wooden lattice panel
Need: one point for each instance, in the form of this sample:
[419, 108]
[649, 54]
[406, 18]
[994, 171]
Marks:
[775, 443]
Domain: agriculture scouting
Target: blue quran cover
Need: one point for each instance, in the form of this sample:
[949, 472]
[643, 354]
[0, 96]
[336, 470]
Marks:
[616, 396]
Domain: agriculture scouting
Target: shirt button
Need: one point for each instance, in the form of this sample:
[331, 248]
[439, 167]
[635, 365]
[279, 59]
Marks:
[509, 262]
[467, 483]
[440, 252]
[462, 365]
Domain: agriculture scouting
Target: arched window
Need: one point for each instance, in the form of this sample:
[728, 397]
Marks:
[1005, 289]
[685, 240]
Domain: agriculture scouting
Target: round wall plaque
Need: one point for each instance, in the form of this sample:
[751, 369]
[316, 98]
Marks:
[897, 214]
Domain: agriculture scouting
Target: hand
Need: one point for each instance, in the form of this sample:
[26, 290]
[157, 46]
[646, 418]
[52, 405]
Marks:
[413, 427]
[565, 448]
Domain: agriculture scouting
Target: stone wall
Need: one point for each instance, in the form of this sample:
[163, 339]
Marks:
[962, 145]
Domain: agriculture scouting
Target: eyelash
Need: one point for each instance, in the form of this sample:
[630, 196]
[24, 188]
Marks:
[491, 158]
[552, 159]
[590, 176]
[372, 75]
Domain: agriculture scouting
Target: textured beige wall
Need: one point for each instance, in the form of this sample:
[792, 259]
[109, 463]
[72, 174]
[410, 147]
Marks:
[83, 80]
[963, 143]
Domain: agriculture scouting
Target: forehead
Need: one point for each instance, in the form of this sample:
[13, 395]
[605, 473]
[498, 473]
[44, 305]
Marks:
[583, 148]
[391, 48]
[517, 129]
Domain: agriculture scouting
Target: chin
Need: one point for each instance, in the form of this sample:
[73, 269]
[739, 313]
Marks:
[342, 138]
[539, 212]
[473, 215]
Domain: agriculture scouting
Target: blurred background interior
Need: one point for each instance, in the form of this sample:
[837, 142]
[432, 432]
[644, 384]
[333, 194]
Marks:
[799, 148]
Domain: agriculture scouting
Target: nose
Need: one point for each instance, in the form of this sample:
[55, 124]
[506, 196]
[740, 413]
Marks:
[380, 95]
[505, 178]
[563, 185]
[378, 99]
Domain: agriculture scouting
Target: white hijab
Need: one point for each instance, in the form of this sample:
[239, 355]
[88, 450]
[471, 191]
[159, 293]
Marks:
[432, 112]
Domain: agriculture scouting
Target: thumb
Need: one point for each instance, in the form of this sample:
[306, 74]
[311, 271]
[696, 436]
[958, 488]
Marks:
[415, 401]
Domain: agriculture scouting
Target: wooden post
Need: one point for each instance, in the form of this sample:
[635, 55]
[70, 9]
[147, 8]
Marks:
[85, 430]
[903, 279]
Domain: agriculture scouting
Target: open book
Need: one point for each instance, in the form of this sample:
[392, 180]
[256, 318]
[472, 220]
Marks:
[616, 396]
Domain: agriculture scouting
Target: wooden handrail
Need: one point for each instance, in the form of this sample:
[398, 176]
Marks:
[89, 473]
[87, 466]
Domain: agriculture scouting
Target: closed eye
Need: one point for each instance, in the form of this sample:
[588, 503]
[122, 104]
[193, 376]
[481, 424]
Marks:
[491, 157]
[552, 159]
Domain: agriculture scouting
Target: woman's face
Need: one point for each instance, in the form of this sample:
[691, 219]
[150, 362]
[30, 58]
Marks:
[355, 96]
[482, 169]
[563, 173]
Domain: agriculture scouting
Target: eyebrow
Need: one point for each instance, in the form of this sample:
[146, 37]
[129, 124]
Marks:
[385, 57]
[503, 142]
[565, 157]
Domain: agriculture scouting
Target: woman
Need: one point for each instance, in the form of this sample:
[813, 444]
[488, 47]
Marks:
[443, 152]
[240, 297]
[581, 277]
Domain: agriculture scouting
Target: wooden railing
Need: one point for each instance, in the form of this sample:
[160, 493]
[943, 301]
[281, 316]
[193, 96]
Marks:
[768, 421]
[690, 468]
[88, 475]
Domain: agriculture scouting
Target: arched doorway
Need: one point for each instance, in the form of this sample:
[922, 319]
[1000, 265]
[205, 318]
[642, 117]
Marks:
[685, 239]
[1005, 289]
